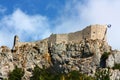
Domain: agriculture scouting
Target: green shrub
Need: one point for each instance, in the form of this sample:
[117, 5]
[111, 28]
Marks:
[16, 74]
[42, 74]
[73, 75]
[76, 75]
[36, 74]
[102, 74]
[116, 66]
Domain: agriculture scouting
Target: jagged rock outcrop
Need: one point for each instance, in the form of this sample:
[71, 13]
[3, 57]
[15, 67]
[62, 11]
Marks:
[6, 61]
[110, 61]
[84, 56]
[115, 74]
[59, 58]
[113, 58]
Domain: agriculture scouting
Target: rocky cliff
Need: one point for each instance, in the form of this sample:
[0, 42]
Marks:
[85, 56]
[60, 58]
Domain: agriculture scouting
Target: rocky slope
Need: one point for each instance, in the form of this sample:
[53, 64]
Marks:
[84, 56]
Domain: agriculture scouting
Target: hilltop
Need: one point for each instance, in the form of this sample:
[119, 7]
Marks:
[84, 51]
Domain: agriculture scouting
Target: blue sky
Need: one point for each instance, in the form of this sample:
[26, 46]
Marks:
[36, 19]
[32, 7]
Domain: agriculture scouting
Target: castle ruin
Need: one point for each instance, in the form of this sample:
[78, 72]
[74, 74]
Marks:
[90, 32]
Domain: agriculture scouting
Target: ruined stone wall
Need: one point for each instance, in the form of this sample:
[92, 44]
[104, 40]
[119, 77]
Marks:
[95, 32]
[58, 38]
[75, 37]
[86, 33]
[90, 32]
[61, 38]
[98, 32]
[42, 44]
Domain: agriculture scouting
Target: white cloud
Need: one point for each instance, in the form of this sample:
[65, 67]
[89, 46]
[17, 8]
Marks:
[76, 15]
[27, 27]
[71, 17]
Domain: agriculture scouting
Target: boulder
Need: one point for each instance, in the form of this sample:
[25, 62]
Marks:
[110, 61]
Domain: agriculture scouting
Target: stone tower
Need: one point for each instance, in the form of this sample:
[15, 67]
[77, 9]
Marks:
[16, 42]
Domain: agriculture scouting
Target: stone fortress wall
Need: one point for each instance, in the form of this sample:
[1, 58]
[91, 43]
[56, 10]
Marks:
[90, 32]
[40, 43]
[75, 37]
[86, 33]
[58, 38]
[98, 32]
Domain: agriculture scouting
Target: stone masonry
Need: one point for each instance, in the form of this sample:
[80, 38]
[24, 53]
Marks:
[90, 32]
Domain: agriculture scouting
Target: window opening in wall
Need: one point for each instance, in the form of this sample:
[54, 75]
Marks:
[94, 32]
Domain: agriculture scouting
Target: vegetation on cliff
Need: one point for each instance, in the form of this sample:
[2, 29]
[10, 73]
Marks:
[116, 66]
[43, 74]
[16, 74]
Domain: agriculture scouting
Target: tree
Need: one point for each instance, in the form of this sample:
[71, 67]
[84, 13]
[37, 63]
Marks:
[16, 74]
[42, 74]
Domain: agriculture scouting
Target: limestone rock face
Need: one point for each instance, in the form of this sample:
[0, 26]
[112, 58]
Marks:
[84, 56]
[6, 61]
[115, 75]
[110, 61]
[116, 56]
[27, 56]
[113, 58]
